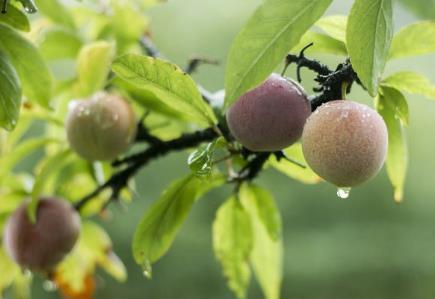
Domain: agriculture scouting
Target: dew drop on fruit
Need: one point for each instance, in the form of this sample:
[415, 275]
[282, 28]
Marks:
[49, 286]
[343, 192]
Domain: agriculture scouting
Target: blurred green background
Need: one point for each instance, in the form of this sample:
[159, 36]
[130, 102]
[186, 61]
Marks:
[362, 247]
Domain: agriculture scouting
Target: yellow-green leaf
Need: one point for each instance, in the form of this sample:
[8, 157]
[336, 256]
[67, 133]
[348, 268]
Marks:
[368, 39]
[415, 39]
[267, 253]
[334, 26]
[302, 174]
[93, 66]
[232, 244]
[412, 83]
[321, 44]
[397, 159]
[168, 82]
[33, 72]
[158, 228]
[274, 29]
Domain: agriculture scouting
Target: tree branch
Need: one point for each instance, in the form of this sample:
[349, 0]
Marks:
[133, 163]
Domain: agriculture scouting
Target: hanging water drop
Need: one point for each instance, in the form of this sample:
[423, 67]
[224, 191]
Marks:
[49, 286]
[147, 269]
[26, 273]
[29, 6]
[343, 192]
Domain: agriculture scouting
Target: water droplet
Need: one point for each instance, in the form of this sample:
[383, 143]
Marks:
[147, 269]
[27, 273]
[343, 192]
[49, 286]
[29, 6]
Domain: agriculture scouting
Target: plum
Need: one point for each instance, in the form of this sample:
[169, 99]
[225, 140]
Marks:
[100, 128]
[345, 142]
[271, 116]
[40, 246]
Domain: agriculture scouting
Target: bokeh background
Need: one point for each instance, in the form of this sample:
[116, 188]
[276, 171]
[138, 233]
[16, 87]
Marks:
[362, 247]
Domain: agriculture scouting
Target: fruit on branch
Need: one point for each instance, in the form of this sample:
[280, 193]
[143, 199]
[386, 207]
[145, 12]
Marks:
[40, 246]
[100, 128]
[345, 142]
[271, 116]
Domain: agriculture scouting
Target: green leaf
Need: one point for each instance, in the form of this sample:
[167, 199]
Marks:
[97, 243]
[415, 39]
[24, 149]
[59, 43]
[148, 100]
[201, 160]
[57, 12]
[397, 159]
[93, 66]
[15, 18]
[267, 253]
[412, 83]
[29, 6]
[94, 248]
[31, 68]
[232, 244]
[420, 7]
[334, 26]
[265, 209]
[304, 175]
[157, 230]
[396, 102]
[170, 84]
[368, 36]
[9, 267]
[322, 44]
[50, 166]
[10, 94]
[274, 29]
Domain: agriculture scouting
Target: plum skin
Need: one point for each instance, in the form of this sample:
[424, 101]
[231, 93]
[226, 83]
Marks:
[271, 116]
[41, 246]
[100, 128]
[345, 142]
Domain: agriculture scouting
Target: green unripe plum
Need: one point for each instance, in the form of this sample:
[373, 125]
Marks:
[345, 142]
[100, 128]
[271, 116]
[40, 246]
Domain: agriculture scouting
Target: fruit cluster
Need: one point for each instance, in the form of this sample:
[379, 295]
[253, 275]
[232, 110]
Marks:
[344, 142]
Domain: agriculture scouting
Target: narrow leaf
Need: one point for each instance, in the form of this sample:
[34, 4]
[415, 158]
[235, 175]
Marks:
[157, 229]
[397, 159]
[15, 18]
[294, 171]
[232, 244]
[265, 209]
[334, 26]
[57, 12]
[397, 103]
[10, 94]
[412, 83]
[22, 150]
[274, 29]
[50, 166]
[321, 44]
[368, 36]
[31, 68]
[267, 254]
[415, 39]
[59, 43]
[169, 83]
[93, 66]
